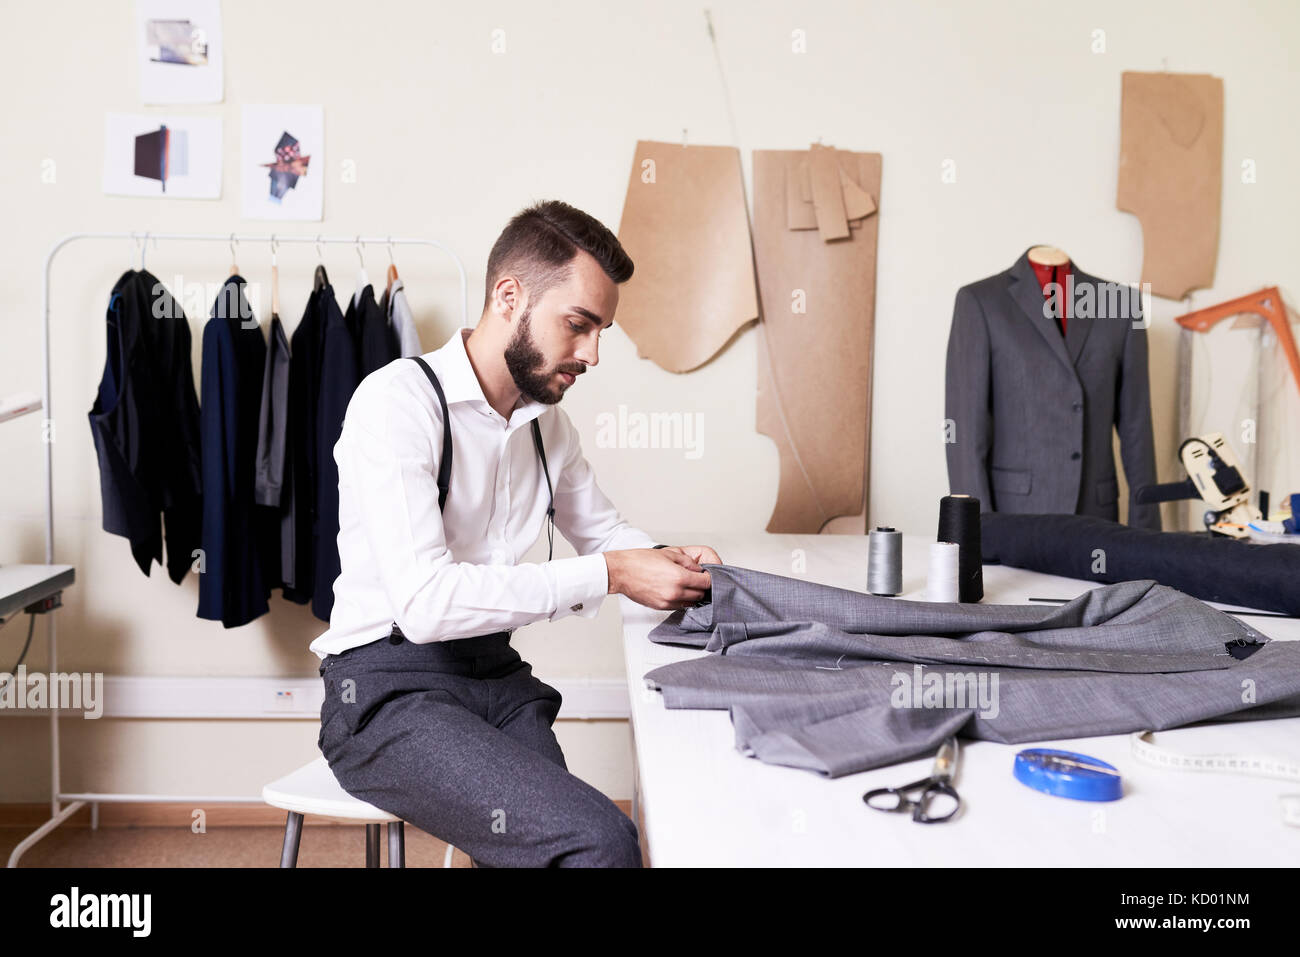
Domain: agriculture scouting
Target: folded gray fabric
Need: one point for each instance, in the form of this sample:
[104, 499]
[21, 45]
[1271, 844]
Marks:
[837, 681]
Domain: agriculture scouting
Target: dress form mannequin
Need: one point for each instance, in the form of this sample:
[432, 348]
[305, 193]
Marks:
[1048, 256]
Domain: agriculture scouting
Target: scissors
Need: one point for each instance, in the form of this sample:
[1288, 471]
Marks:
[937, 785]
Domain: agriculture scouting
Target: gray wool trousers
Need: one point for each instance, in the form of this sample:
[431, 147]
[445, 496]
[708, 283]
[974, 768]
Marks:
[455, 738]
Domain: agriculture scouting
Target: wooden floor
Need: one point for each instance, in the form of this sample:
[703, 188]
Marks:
[219, 847]
[176, 845]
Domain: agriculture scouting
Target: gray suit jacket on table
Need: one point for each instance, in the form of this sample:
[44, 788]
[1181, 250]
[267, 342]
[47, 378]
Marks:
[1033, 412]
[826, 679]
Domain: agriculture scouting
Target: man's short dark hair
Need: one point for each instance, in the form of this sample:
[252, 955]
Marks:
[538, 245]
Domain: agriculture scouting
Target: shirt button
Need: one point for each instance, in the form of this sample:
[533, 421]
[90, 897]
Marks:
[1078, 406]
[1075, 455]
[577, 607]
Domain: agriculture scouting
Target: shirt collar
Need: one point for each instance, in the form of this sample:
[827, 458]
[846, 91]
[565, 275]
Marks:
[460, 384]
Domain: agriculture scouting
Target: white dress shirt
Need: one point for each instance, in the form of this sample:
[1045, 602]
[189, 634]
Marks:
[454, 574]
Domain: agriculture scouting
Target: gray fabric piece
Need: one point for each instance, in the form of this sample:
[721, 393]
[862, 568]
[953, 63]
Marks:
[1034, 412]
[271, 420]
[832, 680]
[270, 486]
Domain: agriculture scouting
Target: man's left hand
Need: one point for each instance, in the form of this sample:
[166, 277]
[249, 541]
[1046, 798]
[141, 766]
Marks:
[701, 554]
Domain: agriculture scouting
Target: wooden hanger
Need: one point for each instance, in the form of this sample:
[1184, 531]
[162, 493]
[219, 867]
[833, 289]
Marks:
[234, 267]
[1048, 256]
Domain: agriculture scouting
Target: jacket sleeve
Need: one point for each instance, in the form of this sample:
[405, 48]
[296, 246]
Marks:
[968, 425]
[390, 464]
[1133, 422]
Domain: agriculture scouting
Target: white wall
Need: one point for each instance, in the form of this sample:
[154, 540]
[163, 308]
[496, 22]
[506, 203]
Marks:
[449, 139]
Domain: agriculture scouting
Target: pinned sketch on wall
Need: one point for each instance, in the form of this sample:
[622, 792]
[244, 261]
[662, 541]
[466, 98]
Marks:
[281, 162]
[1171, 175]
[168, 157]
[180, 50]
[815, 232]
[687, 230]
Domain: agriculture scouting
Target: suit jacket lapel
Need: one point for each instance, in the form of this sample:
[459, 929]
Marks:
[1078, 327]
[1029, 296]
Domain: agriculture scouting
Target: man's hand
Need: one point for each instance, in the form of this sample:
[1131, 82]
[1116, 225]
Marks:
[700, 554]
[662, 578]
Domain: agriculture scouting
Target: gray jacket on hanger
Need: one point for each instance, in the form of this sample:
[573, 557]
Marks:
[1031, 413]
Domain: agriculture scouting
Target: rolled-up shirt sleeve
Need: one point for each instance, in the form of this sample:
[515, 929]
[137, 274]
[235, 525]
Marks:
[393, 449]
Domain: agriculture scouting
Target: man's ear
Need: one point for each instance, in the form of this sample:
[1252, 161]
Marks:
[506, 297]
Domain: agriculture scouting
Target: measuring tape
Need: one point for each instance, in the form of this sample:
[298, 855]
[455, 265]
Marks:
[1249, 765]
[1067, 774]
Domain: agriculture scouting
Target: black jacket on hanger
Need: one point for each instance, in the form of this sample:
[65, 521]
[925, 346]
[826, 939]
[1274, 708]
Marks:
[145, 425]
[306, 349]
[377, 343]
[240, 538]
[339, 366]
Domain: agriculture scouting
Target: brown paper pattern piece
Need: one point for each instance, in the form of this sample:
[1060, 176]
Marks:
[1171, 175]
[814, 366]
[686, 228]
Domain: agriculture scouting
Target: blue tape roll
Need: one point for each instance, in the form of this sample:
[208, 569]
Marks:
[1069, 775]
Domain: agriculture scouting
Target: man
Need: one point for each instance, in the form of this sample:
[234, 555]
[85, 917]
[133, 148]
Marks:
[429, 713]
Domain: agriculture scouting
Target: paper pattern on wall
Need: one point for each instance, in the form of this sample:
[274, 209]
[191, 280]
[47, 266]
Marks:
[815, 346]
[837, 206]
[1171, 175]
[685, 226]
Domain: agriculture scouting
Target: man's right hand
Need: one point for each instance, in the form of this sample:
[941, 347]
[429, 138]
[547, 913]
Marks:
[662, 578]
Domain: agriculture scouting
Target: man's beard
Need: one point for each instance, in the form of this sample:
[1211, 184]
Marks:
[528, 366]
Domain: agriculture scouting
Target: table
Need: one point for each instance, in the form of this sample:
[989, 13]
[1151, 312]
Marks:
[23, 585]
[704, 804]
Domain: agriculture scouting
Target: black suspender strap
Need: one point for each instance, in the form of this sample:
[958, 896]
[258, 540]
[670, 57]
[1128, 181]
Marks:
[550, 493]
[444, 475]
[444, 467]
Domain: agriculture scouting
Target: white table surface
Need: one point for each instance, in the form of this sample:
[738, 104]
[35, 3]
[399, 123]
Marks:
[22, 585]
[704, 804]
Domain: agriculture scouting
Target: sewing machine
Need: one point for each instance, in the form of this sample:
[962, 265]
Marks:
[1215, 476]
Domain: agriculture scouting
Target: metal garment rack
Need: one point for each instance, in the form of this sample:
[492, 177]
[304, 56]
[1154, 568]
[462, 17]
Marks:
[60, 814]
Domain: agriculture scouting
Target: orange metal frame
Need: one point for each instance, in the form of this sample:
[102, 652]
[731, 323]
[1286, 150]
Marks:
[1267, 304]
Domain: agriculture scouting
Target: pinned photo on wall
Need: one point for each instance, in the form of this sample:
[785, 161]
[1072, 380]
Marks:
[168, 157]
[180, 50]
[281, 162]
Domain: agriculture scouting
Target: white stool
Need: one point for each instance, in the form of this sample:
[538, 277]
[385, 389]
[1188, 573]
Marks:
[313, 789]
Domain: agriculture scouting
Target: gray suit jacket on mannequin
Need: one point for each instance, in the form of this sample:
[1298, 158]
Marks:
[1031, 412]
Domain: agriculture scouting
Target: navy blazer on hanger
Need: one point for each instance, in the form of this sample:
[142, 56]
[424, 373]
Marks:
[240, 538]
[339, 376]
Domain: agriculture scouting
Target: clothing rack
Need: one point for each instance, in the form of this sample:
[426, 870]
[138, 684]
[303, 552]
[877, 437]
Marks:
[60, 814]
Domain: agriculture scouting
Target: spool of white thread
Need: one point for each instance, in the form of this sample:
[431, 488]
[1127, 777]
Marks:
[942, 582]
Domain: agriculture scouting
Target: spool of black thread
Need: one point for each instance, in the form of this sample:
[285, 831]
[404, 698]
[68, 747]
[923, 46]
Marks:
[959, 521]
